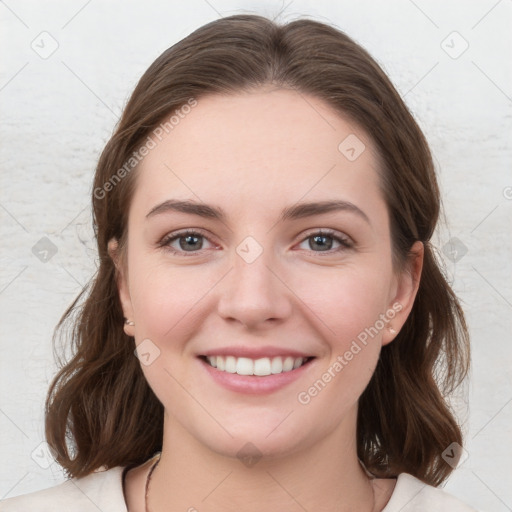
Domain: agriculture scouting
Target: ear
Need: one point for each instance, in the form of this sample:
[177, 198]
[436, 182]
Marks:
[122, 286]
[405, 290]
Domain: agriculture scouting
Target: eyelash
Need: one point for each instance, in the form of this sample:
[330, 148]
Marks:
[345, 242]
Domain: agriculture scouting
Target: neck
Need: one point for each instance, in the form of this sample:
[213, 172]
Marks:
[325, 476]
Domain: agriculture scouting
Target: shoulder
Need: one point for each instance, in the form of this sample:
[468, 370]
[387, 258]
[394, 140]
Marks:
[412, 495]
[101, 490]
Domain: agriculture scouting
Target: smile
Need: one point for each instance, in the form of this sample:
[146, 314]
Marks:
[258, 367]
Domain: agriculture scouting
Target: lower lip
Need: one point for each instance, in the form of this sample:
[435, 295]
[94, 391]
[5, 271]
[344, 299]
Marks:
[255, 384]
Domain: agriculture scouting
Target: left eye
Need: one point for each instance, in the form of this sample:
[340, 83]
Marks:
[324, 241]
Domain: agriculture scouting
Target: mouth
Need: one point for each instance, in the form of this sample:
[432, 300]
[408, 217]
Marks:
[260, 367]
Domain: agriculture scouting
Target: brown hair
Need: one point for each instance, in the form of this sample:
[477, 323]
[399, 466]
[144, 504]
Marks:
[100, 409]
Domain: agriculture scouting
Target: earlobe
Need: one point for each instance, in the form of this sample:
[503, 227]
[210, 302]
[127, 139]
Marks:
[128, 327]
[406, 290]
[122, 287]
[113, 251]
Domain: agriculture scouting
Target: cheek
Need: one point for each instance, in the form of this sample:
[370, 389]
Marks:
[348, 301]
[169, 312]
[167, 300]
[352, 310]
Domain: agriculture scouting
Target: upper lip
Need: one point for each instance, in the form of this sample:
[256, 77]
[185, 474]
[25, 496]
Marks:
[255, 352]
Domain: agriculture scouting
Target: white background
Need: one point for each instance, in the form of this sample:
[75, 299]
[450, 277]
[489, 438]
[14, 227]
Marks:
[58, 112]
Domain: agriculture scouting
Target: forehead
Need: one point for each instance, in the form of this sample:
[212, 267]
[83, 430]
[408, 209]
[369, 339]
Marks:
[263, 146]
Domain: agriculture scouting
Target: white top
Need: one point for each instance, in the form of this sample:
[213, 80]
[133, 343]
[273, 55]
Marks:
[103, 490]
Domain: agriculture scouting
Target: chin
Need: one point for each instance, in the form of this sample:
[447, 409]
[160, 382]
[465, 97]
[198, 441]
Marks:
[253, 440]
[250, 448]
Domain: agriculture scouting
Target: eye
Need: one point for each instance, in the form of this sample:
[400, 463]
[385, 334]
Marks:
[326, 240]
[188, 241]
[192, 242]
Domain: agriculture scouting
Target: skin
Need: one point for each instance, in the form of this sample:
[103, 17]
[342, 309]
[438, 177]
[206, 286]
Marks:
[254, 154]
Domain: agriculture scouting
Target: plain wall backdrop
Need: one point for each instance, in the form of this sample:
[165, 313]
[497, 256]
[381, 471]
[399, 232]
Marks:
[67, 70]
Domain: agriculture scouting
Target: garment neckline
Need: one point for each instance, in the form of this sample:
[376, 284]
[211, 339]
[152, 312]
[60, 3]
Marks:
[396, 488]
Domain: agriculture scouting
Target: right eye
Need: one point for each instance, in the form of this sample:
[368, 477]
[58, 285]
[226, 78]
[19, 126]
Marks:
[187, 241]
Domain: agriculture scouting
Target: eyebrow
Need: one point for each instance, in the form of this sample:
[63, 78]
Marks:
[297, 211]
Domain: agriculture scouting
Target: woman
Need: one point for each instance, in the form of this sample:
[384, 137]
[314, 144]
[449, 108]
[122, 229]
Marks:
[263, 215]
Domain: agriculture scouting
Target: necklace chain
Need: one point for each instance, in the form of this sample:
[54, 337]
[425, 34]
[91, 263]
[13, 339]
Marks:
[148, 480]
[155, 464]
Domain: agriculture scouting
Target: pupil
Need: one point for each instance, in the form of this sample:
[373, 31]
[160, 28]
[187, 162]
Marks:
[321, 241]
[186, 245]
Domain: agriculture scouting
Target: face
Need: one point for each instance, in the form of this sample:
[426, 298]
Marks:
[257, 244]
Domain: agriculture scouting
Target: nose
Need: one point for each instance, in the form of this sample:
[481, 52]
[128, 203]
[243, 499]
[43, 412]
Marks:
[253, 294]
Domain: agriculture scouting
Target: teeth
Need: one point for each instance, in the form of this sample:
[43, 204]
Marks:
[260, 367]
[288, 364]
[231, 366]
[244, 366]
[276, 366]
[297, 363]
